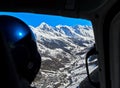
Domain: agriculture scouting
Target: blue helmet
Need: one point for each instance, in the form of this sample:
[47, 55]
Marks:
[22, 44]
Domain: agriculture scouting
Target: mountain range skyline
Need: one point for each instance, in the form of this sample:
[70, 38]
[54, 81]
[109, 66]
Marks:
[72, 31]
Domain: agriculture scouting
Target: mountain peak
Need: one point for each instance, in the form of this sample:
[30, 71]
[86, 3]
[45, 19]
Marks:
[43, 24]
[46, 27]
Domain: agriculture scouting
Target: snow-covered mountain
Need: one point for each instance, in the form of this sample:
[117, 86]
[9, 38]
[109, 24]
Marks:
[63, 50]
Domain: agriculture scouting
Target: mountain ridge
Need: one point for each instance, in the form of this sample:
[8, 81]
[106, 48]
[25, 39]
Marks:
[72, 31]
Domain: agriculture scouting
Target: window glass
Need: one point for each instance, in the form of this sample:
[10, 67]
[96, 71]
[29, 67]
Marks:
[62, 43]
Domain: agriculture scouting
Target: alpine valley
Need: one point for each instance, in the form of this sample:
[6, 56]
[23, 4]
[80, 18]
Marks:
[63, 49]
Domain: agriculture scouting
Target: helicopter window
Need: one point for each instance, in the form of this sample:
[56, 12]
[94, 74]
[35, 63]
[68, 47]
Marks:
[62, 43]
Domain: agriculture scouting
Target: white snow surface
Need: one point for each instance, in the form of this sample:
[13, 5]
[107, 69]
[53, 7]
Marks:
[63, 49]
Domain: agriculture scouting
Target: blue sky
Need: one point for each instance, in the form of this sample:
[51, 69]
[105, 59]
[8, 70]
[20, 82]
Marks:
[36, 19]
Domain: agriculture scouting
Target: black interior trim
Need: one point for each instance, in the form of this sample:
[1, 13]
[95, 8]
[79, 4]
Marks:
[106, 26]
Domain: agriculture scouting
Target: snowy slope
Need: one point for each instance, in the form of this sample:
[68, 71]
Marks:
[63, 50]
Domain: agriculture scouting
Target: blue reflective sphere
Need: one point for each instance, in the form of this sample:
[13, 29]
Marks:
[14, 29]
[21, 42]
[18, 32]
